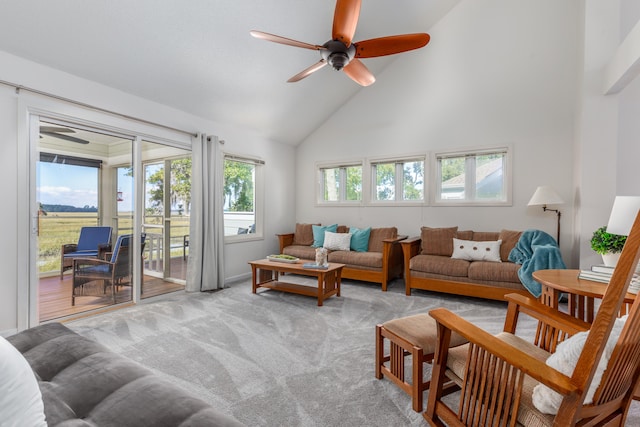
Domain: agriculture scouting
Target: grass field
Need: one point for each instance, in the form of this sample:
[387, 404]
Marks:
[58, 228]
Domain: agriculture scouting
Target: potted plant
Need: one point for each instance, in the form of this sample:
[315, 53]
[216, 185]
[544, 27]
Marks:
[608, 245]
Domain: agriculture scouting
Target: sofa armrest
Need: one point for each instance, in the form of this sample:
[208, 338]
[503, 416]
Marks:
[285, 240]
[391, 259]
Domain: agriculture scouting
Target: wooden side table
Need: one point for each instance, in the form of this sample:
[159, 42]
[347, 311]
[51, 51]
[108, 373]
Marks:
[581, 292]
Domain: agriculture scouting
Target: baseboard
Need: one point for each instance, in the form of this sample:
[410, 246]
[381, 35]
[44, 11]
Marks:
[238, 278]
[8, 332]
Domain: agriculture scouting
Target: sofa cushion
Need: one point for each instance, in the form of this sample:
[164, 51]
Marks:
[357, 259]
[337, 241]
[437, 264]
[20, 397]
[303, 234]
[485, 236]
[437, 241]
[378, 235]
[318, 233]
[472, 250]
[465, 235]
[509, 240]
[494, 272]
[300, 251]
[360, 239]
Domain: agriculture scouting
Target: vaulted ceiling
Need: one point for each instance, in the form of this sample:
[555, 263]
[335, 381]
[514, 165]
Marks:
[198, 56]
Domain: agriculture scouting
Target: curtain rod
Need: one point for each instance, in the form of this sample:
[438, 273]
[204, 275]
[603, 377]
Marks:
[92, 107]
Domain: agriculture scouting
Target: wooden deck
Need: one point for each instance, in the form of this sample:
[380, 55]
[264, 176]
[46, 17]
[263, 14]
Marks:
[55, 294]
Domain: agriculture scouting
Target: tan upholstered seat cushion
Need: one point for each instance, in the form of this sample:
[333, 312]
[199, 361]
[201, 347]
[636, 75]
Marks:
[437, 241]
[494, 271]
[300, 251]
[360, 259]
[443, 265]
[420, 330]
[527, 415]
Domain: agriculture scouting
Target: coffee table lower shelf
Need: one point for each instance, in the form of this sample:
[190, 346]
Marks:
[265, 274]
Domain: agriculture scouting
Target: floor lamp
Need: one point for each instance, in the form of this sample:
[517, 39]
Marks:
[545, 195]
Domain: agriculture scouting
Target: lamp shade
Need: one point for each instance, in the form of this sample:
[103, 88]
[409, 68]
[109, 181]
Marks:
[545, 195]
[623, 214]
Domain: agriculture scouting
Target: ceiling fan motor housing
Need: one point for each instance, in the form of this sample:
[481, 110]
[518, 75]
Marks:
[337, 54]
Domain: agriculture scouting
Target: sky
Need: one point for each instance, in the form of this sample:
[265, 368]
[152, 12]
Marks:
[60, 184]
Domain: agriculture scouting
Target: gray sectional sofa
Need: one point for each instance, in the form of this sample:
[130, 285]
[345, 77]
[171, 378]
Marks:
[84, 384]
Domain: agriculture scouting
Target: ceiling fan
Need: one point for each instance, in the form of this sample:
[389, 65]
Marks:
[59, 132]
[341, 53]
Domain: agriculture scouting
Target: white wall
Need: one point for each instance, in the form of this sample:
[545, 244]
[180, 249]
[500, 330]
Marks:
[279, 168]
[495, 72]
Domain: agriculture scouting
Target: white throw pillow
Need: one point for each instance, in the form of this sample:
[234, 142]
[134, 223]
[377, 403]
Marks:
[476, 251]
[20, 397]
[337, 241]
[564, 360]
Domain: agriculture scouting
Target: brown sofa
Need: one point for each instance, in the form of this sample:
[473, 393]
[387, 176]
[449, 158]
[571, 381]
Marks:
[380, 263]
[429, 264]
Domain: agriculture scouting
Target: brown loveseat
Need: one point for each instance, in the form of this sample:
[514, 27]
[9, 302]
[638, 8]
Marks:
[429, 264]
[380, 263]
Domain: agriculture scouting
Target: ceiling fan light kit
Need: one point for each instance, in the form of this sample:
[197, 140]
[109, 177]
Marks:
[341, 53]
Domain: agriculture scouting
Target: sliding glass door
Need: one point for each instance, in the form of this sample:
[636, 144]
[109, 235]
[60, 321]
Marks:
[85, 186]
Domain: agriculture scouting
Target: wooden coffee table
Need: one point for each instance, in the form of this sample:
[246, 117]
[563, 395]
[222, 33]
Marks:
[266, 273]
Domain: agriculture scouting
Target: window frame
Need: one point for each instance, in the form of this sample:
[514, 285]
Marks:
[320, 182]
[399, 162]
[258, 191]
[470, 184]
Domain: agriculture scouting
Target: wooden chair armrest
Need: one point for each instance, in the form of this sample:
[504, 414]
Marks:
[556, 319]
[285, 240]
[394, 239]
[410, 248]
[515, 357]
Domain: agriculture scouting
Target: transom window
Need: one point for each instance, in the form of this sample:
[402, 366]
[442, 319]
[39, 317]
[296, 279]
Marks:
[479, 177]
[340, 183]
[398, 180]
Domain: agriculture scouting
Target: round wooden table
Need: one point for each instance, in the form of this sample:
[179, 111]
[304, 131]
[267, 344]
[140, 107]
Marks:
[581, 292]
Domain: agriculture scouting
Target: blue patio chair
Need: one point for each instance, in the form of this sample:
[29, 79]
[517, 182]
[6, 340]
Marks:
[92, 243]
[116, 271]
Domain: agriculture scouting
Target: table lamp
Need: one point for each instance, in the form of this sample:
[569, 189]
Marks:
[545, 195]
[623, 214]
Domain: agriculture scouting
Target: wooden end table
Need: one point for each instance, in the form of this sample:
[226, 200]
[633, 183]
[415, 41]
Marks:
[265, 274]
[581, 292]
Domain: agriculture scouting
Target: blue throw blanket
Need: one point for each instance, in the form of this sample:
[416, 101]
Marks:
[535, 250]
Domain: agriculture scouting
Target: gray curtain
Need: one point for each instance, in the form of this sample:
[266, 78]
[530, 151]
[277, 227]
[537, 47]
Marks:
[205, 268]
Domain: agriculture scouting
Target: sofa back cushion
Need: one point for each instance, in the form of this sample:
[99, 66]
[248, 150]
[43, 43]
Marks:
[437, 241]
[303, 234]
[377, 235]
[509, 240]
[485, 236]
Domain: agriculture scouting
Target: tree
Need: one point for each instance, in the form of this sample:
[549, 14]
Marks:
[238, 186]
[180, 189]
[385, 181]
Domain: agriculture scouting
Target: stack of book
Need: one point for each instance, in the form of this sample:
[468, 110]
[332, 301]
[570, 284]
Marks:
[602, 273]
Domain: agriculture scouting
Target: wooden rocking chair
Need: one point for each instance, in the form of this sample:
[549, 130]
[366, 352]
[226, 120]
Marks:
[497, 374]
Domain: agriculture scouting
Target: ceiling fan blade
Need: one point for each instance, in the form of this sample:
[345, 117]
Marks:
[284, 40]
[56, 129]
[64, 137]
[345, 20]
[390, 45]
[359, 73]
[307, 71]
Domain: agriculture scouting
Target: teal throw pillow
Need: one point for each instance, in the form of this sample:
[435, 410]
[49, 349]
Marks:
[318, 234]
[360, 239]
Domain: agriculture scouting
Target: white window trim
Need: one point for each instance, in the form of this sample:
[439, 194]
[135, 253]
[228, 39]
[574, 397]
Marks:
[372, 200]
[320, 202]
[507, 171]
[259, 190]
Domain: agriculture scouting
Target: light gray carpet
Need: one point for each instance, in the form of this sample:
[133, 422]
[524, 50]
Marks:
[277, 359]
